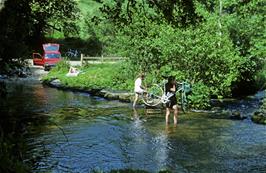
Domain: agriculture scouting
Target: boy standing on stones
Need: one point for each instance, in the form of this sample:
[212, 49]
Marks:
[139, 89]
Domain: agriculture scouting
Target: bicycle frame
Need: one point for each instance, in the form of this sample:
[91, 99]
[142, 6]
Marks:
[72, 52]
[154, 97]
[166, 96]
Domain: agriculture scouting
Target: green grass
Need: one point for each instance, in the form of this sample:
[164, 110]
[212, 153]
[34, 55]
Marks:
[88, 6]
[93, 76]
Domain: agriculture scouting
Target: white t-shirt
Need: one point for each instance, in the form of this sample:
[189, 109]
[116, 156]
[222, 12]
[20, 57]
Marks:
[138, 88]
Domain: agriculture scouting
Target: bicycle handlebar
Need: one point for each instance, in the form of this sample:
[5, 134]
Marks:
[181, 83]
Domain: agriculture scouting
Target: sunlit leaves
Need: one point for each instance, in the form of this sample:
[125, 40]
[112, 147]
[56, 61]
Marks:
[218, 44]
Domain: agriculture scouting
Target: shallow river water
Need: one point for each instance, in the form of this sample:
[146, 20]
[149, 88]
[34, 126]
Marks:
[85, 133]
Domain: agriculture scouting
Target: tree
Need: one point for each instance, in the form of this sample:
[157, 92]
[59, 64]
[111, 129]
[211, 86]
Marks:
[185, 39]
[60, 15]
[247, 30]
[15, 26]
[24, 24]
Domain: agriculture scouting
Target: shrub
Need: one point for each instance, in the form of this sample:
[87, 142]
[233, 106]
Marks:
[62, 66]
[200, 96]
[194, 54]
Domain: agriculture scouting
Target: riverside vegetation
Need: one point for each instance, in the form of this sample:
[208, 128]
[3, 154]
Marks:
[215, 46]
[218, 46]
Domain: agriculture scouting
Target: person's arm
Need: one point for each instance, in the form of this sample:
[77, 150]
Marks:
[141, 86]
[173, 89]
[70, 70]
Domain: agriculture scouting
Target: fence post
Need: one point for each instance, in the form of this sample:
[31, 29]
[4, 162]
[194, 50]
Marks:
[102, 58]
[81, 59]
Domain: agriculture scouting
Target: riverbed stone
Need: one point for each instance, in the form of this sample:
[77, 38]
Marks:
[259, 117]
[2, 76]
[216, 109]
[115, 95]
[56, 83]
[236, 115]
[126, 97]
[112, 96]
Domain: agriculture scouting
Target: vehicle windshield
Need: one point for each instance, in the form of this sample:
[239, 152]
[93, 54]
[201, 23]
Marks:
[52, 55]
[50, 47]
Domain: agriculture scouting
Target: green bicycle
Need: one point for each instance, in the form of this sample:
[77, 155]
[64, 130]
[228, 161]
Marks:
[156, 95]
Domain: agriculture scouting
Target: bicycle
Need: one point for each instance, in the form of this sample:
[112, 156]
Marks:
[156, 94]
[72, 53]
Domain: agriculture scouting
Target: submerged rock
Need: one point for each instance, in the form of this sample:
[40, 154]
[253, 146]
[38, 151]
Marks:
[56, 83]
[237, 116]
[216, 109]
[122, 96]
[126, 97]
[3, 76]
[259, 117]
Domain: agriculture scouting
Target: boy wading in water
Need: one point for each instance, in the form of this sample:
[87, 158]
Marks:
[170, 88]
[139, 89]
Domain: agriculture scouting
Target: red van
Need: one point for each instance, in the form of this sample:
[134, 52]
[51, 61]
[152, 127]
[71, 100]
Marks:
[51, 56]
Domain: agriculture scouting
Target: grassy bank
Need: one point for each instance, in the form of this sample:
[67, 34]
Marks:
[114, 77]
[94, 76]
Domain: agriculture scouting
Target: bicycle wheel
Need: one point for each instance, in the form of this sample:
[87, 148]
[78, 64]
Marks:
[183, 102]
[67, 55]
[153, 95]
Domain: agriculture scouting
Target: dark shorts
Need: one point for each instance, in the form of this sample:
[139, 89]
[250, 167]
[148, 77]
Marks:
[171, 103]
[138, 93]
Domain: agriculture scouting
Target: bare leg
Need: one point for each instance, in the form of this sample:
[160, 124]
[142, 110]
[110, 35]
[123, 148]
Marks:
[136, 116]
[135, 101]
[167, 129]
[167, 115]
[175, 113]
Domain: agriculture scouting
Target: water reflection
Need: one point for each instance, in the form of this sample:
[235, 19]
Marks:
[138, 142]
[85, 133]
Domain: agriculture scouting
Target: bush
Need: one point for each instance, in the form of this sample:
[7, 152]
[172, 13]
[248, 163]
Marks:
[200, 46]
[194, 54]
[62, 66]
[200, 96]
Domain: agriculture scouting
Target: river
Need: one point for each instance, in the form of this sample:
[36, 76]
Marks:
[83, 133]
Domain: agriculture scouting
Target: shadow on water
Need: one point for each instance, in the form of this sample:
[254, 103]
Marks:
[83, 133]
[120, 138]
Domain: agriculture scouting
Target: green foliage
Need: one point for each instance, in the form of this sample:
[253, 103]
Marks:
[247, 29]
[54, 15]
[89, 47]
[260, 78]
[247, 25]
[89, 8]
[200, 96]
[192, 41]
[26, 22]
[188, 54]
[96, 76]
[218, 44]
[14, 30]
[124, 77]
[63, 65]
